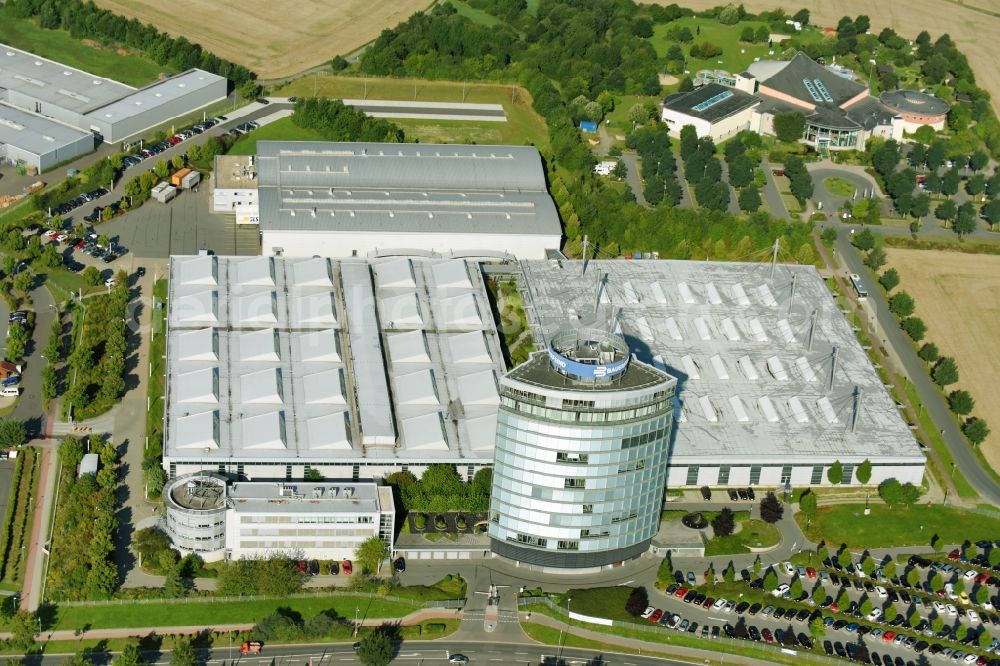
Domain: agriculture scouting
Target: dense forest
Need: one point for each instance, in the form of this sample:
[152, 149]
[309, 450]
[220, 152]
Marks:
[569, 49]
[84, 20]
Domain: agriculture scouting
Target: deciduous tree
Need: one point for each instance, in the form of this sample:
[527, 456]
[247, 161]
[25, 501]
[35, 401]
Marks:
[945, 371]
[976, 430]
[961, 402]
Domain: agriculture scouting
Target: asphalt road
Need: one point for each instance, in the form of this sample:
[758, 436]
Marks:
[409, 652]
[30, 406]
[916, 370]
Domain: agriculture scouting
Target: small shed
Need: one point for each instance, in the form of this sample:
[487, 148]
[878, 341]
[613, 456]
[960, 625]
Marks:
[190, 180]
[588, 126]
[88, 465]
[164, 192]
[178, 176]
[8, 369]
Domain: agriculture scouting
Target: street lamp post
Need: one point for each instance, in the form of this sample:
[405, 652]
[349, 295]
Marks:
[568, 599]
[357, 611]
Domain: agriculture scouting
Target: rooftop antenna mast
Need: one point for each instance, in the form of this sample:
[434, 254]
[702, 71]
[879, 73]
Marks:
[774, 256]
[791, 297]
[812, 328]
[858, 393]
[833, 368]
[601, 286]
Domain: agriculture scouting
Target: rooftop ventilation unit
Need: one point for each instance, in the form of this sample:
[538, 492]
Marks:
[685, 292]
[713, 294]
[747, 368]
[740, 296]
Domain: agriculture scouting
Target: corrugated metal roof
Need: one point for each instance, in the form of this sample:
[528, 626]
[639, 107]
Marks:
[317, 186]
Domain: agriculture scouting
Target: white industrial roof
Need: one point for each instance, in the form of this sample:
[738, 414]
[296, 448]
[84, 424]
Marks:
[390, 188]
[159, 93]
[751, 387]
[60, 85]
[33, 133]
[278, 359]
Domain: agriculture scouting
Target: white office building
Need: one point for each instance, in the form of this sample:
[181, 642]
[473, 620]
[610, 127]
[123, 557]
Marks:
[217, 519]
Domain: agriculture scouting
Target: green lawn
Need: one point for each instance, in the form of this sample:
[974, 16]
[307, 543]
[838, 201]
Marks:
[220, 612]
[756, 651]
[449, 587]
[280, 130]
[523, 124]
[754, 533]
[473, 14]
[60, 46]
[887, 527]
[839, 187]
[735, 57]
[608, 602]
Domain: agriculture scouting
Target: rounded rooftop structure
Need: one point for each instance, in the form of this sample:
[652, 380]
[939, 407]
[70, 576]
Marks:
[915, 106]
[588, 354]
[196, 512]
[583, 434]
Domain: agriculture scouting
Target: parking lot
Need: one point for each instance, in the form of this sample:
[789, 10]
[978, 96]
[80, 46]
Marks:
[184, 225]
[931, 621]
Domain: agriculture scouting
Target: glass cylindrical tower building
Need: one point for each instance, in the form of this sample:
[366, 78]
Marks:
[582, 440]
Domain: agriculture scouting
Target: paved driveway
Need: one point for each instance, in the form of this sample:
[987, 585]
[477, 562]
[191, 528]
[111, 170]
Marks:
[182, 226]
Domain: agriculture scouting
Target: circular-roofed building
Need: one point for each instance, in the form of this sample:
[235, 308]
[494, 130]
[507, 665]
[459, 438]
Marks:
[582, 440]
[196, 513]
[916, 108]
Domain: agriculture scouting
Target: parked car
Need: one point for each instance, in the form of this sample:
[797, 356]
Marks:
[706, 493]
[347, 567]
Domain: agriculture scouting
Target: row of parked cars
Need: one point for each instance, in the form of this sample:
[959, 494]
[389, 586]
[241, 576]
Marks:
[744, 494]
[156, 149]
[88, 245]
[79, 200]
[243, 128]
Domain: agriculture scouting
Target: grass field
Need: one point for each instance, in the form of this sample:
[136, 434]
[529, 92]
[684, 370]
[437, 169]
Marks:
[473, 14]
[281, 129]
[839, 187]
[887, 527]
[58, 45]
[523, 124]
[973, 25]
[220, 612]
[735, 55]
[753, 534]
[274, 39]
[958, 297]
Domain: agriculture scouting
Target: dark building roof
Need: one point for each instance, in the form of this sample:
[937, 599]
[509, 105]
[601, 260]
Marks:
[823, 87]
[711, 102]
[914, 102]
[869, 113]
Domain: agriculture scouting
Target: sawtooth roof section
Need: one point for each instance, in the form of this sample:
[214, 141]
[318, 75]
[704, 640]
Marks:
[313, 272]
[424, 433]
[330, 432]
[197, 431]
[317, 347]
[264, 432]
[258, 346]
[469, 348]
[452, 274]
[409, 347]
[200, 344]
[395, 274]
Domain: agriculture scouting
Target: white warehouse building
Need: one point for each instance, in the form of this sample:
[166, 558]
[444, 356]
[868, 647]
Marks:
[379, 199]
[354, 369]
[773, 386]
[95, 104]
[38, 141]
[215, 519]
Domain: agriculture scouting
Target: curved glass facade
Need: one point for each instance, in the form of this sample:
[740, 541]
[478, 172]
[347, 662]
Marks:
[199, 526]
[579, 470]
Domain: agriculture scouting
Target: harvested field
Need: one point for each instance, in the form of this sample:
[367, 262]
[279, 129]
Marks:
[974, 25]
[958, 297]
[275, 39]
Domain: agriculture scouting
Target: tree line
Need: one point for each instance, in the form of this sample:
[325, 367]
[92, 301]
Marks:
[943, 369]
[82, 565]
[440, 489]
[98, 359]
[84, 20]
[337, 122]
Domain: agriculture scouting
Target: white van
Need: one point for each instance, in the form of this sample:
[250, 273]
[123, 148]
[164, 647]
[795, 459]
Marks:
[10, 391]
